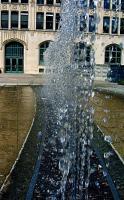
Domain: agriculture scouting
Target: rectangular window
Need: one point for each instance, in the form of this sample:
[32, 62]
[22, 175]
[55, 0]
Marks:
[83, 23]
[115, 4]
[49, 20]
[49, 2]
[39, 20]
[106, 4]
[24, 1]
[114, 25]
[41, 70]
[122, 26]
[4, 1]
[40, 1]
[24, 20]
[58, 1]
[14, 19]
[57, 20]
[106, 24]
[91, 24]
[91, 4]
[122, 5]
[14, 1]
[4, 19]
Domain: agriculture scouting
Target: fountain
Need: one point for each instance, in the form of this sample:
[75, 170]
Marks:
[69, 167]
[71, 61]
[69, 126]
[67, 159]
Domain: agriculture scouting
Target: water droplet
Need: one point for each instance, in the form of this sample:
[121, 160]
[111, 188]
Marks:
[108, 138]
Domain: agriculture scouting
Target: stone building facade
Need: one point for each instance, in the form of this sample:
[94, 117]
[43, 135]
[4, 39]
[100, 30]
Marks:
[27, 27]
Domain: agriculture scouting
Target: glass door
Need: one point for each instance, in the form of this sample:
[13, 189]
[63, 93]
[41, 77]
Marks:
[20, 64]
[14, 65]
[14, 57]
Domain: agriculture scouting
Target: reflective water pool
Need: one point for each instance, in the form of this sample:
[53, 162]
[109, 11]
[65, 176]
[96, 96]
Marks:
[109, 115]
[17, 109]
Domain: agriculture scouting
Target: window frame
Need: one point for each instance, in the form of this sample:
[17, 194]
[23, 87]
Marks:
[109, 5]
[50, 4]
[14, 2]
[106, 18]
[41, 23]
[42, 48]
[25, 2]
[4, 1]
[91, 17]
[114, 7]
[57, 20]
[24, 13]
[38, 3]
[52, 21]
[121, 25]
[112, 25]
[58, 2]
[7, 20]
[122, 5]
[109, 51]
[91, 4]
[12, 21]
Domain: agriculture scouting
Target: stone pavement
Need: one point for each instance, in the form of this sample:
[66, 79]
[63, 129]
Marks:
[21, 79]
[39, 79]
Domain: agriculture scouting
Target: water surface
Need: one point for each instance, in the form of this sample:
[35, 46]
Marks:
[17, 108]
[109, 115]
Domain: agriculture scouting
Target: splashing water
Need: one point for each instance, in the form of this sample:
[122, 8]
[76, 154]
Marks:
[70, 74]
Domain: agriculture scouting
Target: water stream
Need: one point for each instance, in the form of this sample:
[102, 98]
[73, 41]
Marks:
[70, 82]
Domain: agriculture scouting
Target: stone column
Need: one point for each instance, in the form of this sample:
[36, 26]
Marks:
[32, 15]
[110, 30]
[54, 2]
[111, 4]
[0, 19]
[122, 56]
[100, 24]
[54, 21]
[9, 19]
[19, 20]
[44, 25]
[119, 25]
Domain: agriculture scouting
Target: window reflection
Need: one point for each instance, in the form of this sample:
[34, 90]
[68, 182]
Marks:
[42, 49]
[4, 19]
[91, 23]
[113, 54]
[114, 25]
[49, 20]
[122, 26]
[106, 4]
[106, 24]
[39, 20]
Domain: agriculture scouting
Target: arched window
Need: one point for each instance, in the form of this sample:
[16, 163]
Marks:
[14, 57]
[113, 54]
[42, 49]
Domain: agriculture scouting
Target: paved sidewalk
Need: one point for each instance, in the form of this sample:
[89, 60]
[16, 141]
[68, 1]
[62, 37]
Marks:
[21, 79]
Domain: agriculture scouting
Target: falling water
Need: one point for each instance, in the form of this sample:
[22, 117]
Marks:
[70, 74]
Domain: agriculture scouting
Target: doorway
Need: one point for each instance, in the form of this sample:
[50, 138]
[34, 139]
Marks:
[14, 57]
